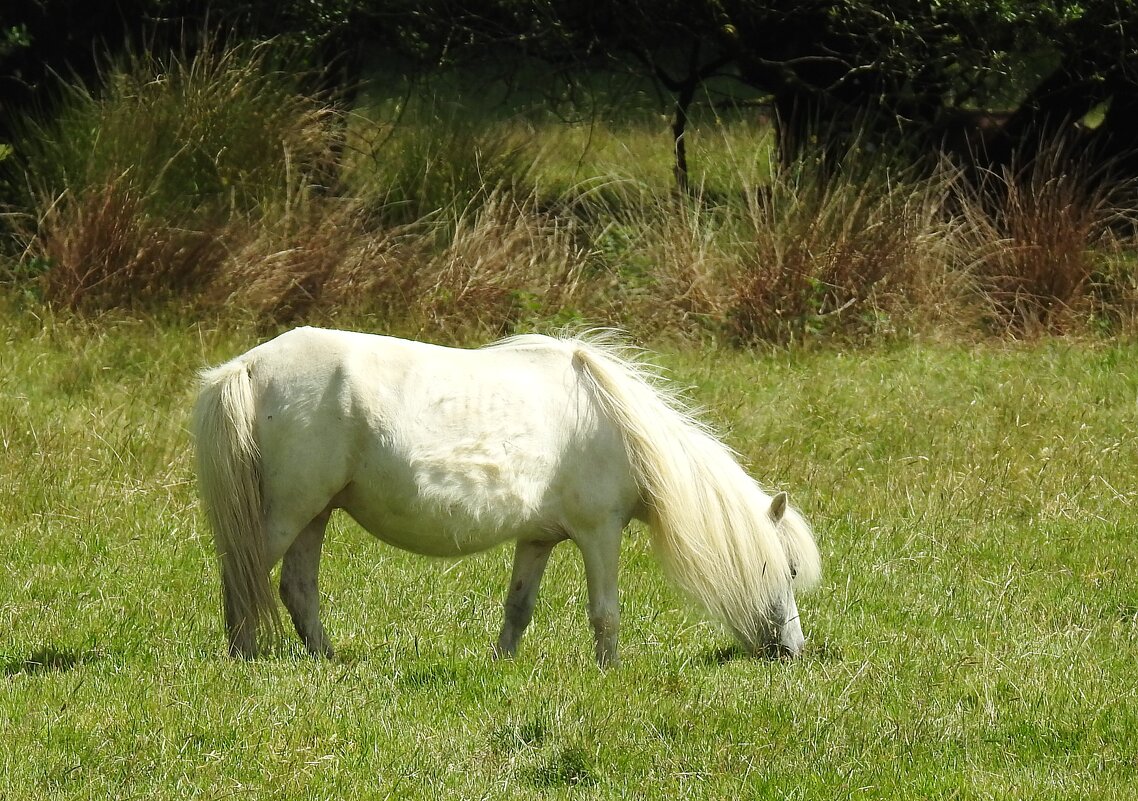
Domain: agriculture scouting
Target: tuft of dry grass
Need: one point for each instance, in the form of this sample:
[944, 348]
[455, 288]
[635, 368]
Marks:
[657, 260]
[1039, 235]
[311, 253]
[504, 263]
[492, 267]
[853, 253]
[105, 251]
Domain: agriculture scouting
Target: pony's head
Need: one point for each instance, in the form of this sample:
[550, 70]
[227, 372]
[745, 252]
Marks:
[779, 632]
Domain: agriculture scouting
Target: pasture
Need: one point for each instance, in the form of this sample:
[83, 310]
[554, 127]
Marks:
[975, 635]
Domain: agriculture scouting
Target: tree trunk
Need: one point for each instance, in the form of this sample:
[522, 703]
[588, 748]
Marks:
[679, 130]
[685, 90]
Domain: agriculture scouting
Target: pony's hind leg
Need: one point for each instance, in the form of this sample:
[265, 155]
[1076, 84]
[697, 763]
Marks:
[299, 586]
[530, 559]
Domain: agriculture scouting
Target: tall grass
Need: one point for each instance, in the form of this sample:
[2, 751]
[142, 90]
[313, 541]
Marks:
[102, 247]
[427, 158]
[844, 254]
[504, 263]
[247, 193]
[1041, 233]
[206, 133]
[133, 189]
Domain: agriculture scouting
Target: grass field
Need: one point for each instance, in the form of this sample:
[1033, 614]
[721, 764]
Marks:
[975, 635]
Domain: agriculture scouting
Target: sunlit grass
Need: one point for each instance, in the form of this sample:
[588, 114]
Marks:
[724, 154]
[974, 635]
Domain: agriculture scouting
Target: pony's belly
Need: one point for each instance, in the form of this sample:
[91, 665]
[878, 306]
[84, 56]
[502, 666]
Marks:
[449, 496]
[430, 533]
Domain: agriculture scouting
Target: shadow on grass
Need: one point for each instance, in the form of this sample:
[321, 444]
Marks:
[520, 736]
[815, 651]
[724, 654]
[565, 767]
[49, 660]
[1125, 613]
[431, 676]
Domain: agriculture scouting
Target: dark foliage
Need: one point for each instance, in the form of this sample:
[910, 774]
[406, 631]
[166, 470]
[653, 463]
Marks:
[918, 71]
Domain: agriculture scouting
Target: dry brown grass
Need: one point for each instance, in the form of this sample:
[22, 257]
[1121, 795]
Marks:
[1039, 236]
[658, 261]
[504, 263]
[852, 255]
[105, 251]
[850, 259]
[489, 269]
[311, 254]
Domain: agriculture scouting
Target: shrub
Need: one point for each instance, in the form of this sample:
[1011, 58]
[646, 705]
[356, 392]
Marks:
[206, 133]
[132, 189]
[103, 250]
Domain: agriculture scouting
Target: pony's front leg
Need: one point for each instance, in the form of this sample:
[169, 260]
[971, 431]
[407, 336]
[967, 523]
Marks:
[601, 553]
[530, 559]
[299, 586]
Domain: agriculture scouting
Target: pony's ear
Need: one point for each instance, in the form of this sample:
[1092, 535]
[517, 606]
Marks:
[778, 507]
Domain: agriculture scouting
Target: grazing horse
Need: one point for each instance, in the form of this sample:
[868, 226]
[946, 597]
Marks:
[444, 452]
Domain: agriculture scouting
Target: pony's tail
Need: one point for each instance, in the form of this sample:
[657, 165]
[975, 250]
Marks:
[715, 531]
[229, 480]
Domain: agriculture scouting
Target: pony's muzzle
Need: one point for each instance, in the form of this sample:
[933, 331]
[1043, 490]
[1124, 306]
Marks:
[790, 640]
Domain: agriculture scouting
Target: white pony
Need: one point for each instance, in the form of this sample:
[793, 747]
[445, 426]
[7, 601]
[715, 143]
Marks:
[445, 452]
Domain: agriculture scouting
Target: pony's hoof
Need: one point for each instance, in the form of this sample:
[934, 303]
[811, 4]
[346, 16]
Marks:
[321, 651]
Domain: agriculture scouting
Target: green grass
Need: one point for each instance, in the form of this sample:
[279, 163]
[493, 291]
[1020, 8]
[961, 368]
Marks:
[608, 129]
[975, 635]
[726, 152]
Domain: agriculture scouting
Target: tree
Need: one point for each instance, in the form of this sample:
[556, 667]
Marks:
[912, 75]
